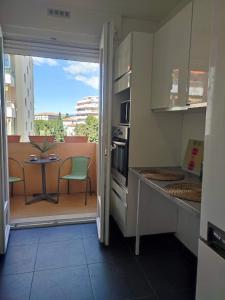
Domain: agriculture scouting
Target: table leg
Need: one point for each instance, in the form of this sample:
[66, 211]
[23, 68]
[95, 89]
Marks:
[44, 195]
[137, 237]
[43, 179]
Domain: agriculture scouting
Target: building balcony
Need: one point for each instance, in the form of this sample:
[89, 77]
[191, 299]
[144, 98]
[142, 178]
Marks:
[10, 110]
[86, 112]
[9, 79]
[87, 105]
[70, 206]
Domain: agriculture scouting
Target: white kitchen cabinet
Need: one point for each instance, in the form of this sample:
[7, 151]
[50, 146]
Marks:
[199, 52]
[119, 205]
[123, 56]
[187, 231]
[154, 140]
[171, 60]
[211, 272]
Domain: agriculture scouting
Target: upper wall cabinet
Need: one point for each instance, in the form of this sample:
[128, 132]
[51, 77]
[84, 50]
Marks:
[199, 53]
[171, 61]
[123, 57]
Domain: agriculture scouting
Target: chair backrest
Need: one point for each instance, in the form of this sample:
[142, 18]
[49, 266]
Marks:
[15, 165]
[80, 165]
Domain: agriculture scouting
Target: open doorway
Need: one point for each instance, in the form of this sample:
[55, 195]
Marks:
[51, 103]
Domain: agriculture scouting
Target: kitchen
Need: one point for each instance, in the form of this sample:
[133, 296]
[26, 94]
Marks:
[154, 164]
[161, 104]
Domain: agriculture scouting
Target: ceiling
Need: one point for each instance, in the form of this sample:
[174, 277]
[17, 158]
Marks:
[155, 10]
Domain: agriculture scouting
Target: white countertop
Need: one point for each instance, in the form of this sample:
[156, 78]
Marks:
[194, 207]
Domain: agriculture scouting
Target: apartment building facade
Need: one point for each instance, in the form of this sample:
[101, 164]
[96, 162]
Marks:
[46, 116]
[19, 87]
[88, 106]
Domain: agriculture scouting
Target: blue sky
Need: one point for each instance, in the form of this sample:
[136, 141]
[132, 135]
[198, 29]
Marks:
[58, 84]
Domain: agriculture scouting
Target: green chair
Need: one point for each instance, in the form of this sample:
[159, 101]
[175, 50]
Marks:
[15, 179]
[79, 171]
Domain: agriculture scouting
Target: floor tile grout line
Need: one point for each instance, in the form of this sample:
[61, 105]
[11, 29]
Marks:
[17, 273]
[60, 241]
[59, 268]
[146, 277]
[34, 270]
[89, 275]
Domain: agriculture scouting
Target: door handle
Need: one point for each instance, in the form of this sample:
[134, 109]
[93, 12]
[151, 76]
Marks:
[113, 147]
[119, 143]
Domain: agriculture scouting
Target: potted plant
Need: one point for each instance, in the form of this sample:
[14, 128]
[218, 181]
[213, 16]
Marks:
[13, 138]
[41, 138]
[43, 147]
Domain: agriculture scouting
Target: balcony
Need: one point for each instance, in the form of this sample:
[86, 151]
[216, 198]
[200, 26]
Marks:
[9, 79]
[70, 206]
[10, 110]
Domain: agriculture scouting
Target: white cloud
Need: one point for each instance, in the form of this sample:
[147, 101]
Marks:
[88, 73]
[38, 61]
[77, 67]
[92, 81]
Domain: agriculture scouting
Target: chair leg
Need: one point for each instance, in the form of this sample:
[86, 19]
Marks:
[12, 189]
[25, 192]
[89, 178]
[58, 190]
[86, 191]
[68, 187]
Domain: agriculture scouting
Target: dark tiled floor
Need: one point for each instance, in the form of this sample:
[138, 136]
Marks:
[67, 262]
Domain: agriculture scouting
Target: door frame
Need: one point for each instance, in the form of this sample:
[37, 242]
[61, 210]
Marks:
[4, 179]
[105, 127]
[59, 55]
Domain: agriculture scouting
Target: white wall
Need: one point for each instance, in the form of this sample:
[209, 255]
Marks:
[29, 19]
[193, 128]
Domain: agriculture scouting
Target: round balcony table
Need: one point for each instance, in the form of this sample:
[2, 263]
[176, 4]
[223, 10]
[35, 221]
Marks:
[50, 197]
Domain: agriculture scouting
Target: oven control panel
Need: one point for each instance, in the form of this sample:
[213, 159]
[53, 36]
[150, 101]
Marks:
[120, 132]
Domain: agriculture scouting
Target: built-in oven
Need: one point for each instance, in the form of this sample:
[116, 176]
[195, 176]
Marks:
[120, 152]
[125, 113]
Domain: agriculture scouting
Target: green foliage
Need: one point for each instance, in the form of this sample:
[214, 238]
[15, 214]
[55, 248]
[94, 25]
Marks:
[89, 129]
[44, 147]
[50, 127]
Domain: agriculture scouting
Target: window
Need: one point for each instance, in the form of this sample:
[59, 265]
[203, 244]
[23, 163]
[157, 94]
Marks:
[26, 125]
[24, 77]
[25, 101]
[28, 113]
[28, 92]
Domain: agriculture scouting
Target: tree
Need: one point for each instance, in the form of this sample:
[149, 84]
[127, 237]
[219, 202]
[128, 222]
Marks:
[89, 129]
[50, 127]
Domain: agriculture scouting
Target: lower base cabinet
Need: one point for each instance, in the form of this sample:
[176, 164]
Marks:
[119, 206]
[188, 227]
[158, 214]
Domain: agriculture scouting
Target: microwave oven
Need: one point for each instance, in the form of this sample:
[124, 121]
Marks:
[125, 113]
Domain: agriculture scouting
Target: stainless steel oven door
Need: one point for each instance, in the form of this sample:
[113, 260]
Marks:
[120, 161]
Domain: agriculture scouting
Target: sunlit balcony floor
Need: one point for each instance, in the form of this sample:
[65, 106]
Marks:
[69, 207]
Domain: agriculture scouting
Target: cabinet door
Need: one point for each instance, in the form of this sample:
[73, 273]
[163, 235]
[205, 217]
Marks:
[170, 61]
[118, 210]
[199, 53]
[123, 56]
